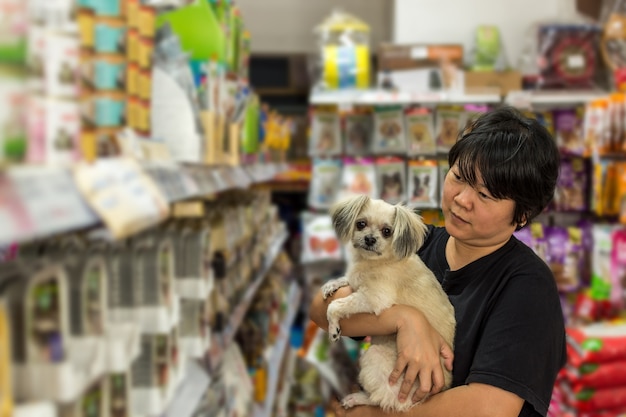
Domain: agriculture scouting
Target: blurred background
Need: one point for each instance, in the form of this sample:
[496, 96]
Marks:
[167, 166]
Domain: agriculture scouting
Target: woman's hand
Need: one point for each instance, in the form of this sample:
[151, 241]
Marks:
[420, 351]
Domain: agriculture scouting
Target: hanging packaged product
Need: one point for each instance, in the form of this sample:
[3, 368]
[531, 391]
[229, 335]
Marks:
[13, 118]
[449, 122]
[14, 31]
[325, 183]
[344, 43]
[325, 133]
[358, 177]
[423, 183]
[420, 131]
[389, 131]
[357, 128]
[391, 179]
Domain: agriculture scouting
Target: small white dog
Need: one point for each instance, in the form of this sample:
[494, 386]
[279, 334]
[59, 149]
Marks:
[384, 270]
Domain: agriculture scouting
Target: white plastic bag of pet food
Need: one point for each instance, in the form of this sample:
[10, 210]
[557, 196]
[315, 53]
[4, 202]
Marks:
[325, 183]
[423, 183]
[391, 179]
[325, 137]
[319, 240]
[358, 178]
[389, 134]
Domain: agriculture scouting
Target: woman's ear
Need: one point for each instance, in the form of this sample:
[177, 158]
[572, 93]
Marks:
[344, 214]
[408, 232]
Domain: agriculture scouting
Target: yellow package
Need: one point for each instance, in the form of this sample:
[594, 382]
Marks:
[6, 400]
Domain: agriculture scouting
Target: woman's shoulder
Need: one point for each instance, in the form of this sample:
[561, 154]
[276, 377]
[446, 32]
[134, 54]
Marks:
[527, 263]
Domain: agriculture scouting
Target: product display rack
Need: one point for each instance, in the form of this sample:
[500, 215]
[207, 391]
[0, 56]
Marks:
[218, 345]
[48, 201]
[387, 97]
[275, 354]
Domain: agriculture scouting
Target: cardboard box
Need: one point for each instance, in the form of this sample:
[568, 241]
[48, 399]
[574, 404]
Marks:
[411, 56]
[419, 67]
[590, 8]
[504, 80]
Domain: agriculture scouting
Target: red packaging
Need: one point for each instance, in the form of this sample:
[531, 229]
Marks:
[591, 400]
[597, 375]
[596, 343]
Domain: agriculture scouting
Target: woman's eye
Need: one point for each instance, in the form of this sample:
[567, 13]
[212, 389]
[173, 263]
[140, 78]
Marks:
[361, 225]
[386, 232]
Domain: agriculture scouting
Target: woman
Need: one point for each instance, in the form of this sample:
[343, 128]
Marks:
[510, 336]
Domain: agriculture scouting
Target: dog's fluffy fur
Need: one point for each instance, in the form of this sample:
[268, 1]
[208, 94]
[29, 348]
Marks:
[384, 270]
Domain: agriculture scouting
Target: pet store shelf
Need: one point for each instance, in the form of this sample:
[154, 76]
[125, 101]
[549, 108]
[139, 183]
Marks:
[283, 396]
[41, 201]
[189, 392]
[527, 99]
[275, 354]
[370, 97]
[219, 344]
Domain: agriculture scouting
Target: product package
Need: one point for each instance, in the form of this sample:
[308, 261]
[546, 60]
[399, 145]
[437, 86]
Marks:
[344, 46]
[391, 179]
[572, 185]
[423, 183]
[358, 177]
[320, 241]
[325, 183]
[325, 133]
[389, 133]
[358, 133]
[449, 122]
[420, 131]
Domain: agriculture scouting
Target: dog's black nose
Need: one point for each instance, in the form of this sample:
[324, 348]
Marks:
[370, 240]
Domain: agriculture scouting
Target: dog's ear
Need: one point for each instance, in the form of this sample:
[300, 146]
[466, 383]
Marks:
[408, 232]
[344, 214]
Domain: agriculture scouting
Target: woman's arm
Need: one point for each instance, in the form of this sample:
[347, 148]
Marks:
[419, 345]
[473, 400]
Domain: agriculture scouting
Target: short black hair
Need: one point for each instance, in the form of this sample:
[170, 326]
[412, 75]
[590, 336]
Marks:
[516, 156]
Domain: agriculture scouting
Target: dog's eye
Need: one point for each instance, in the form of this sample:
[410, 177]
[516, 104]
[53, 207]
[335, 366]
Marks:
[360, 225]
[386, 232]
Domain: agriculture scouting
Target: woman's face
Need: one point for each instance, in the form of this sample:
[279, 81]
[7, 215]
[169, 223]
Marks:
[472, 215]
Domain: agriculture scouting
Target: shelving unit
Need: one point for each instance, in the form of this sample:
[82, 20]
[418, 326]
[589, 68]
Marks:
[275, 354]
[45, 201]
[218, 345]
[386, 97]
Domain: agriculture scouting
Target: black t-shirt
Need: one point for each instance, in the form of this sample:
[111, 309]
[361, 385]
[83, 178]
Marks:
[510, 330]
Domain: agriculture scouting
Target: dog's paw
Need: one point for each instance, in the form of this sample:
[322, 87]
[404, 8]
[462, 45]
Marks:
[356, 398]
[329, 289]
[334, 330]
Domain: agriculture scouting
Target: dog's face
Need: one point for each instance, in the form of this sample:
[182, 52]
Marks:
[375, 229]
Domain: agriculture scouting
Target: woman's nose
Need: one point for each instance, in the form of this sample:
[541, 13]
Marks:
[464, 197]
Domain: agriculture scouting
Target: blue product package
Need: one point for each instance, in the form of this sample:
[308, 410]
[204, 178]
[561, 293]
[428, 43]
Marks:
[109, 39]
[108, 76]
[110, 8]
[108, 112]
